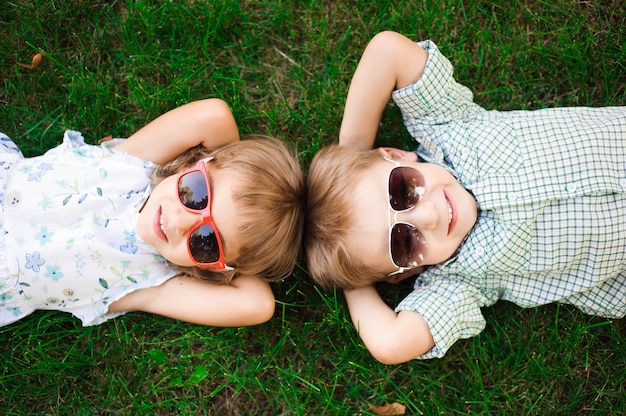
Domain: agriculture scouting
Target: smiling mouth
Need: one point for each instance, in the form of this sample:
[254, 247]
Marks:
[158, 225]
[452, 213]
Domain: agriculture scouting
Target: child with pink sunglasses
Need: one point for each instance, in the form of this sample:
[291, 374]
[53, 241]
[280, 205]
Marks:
[524, 206]
[182, 219]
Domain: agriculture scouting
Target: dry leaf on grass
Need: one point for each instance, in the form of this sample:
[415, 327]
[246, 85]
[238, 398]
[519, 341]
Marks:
[34, 63]
[388, 409]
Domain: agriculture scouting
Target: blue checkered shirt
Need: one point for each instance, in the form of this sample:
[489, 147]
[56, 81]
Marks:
[549, 185]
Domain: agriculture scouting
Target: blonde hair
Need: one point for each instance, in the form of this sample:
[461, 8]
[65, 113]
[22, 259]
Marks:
[332, 176]
[270, 200]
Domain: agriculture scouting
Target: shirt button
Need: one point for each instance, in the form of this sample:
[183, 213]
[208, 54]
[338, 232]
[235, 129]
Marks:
[465, 152]
[511, 196]
[622, 183]
[571, 187]
[479, 251]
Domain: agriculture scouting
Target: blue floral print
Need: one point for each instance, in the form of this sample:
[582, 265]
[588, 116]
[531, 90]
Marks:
[69, 221]
[34, 261]
[54, 272]
[128, 247]
[44, 236]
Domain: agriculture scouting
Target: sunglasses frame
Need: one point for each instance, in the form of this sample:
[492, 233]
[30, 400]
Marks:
[207, 217]
[401, 269]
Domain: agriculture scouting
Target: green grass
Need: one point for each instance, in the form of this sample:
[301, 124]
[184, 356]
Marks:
[284, 67]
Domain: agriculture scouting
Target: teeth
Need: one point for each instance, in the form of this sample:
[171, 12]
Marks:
[161, 222]
[449, 211]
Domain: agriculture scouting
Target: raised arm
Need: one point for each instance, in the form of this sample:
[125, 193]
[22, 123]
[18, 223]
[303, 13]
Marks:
[246, 301]
[390, 61]
[391, 338]
[207, 122]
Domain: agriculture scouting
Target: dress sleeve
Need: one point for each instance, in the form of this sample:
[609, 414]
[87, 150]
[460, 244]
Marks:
[450, 307]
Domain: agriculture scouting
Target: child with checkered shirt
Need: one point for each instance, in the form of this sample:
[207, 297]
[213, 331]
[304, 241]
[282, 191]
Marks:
[526, 206]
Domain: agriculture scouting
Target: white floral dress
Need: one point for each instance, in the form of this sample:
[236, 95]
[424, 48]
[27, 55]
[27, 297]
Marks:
[68, 237]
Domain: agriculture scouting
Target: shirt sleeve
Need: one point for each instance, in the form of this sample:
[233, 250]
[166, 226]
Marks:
[607, 299]
[451, 308]
[436, 98]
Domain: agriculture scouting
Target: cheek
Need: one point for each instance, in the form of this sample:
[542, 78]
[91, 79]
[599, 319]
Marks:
[441, 252]
[178, 255]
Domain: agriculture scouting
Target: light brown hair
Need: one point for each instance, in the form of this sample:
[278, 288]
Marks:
[333, 175]
[270, 200]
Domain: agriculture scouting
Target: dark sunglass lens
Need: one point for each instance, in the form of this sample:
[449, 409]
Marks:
[408, 245]
[406, 187]
[203, 245]
[192, 190]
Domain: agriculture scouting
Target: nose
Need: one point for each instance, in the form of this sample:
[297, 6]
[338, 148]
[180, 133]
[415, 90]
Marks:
[424, 215]
[183, 220]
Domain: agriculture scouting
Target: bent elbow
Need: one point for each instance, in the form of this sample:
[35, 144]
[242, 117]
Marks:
[392, 350]
[266, 310]
[213, 112]
[384, 44]
[260, 310]
[386, 354]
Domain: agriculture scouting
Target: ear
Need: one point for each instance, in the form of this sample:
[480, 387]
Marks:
[398, 154]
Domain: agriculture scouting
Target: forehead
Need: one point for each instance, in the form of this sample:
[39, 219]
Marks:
[226, 207]
[368, 237]
[372, 181]
[371, 184]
